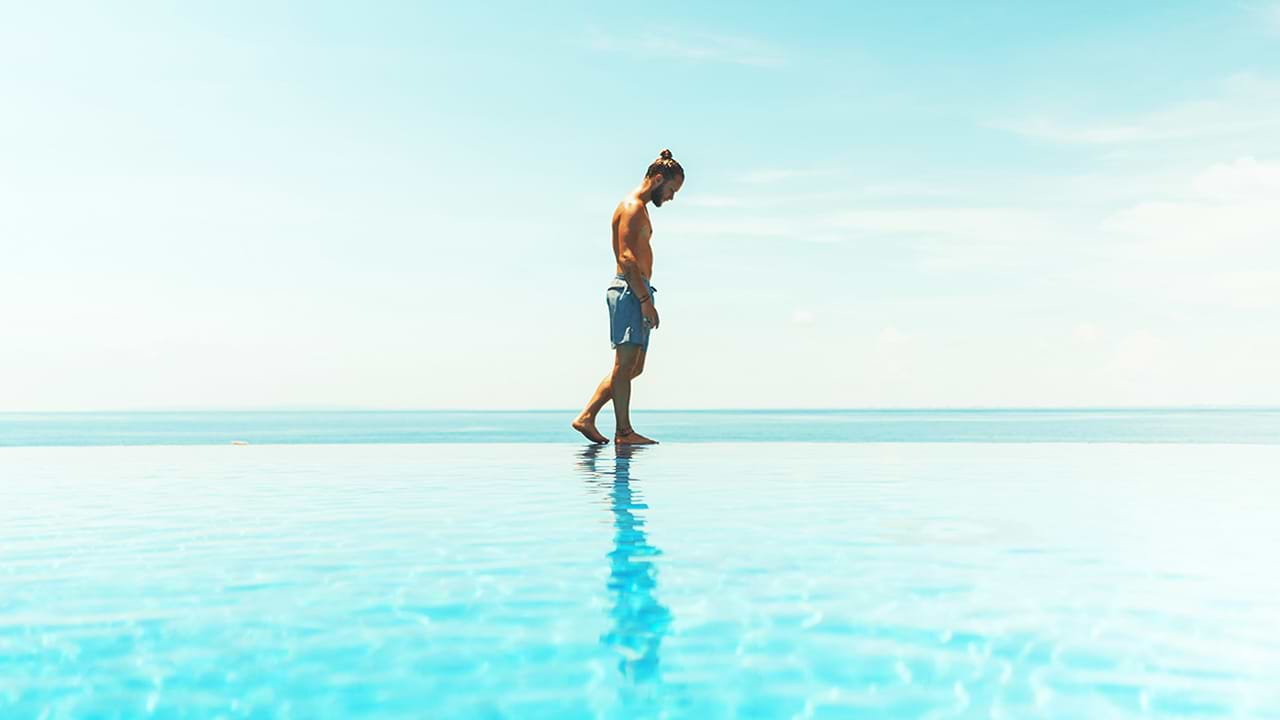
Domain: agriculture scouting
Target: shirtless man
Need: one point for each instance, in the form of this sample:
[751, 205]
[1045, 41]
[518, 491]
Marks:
[630, 299]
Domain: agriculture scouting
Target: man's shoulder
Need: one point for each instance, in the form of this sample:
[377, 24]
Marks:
[631, 210]
[630, 204]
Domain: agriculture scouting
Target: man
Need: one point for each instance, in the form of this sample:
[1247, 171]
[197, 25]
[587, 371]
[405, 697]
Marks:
[630, 298]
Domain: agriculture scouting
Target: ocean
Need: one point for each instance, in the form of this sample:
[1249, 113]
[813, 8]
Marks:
[1142, 425]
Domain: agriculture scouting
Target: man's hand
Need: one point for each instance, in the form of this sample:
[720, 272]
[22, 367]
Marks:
[650, 314]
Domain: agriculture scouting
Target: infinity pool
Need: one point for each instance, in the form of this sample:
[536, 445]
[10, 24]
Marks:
[776, 580]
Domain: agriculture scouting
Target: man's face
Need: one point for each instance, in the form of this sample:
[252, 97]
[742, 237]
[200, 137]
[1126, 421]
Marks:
[667, 190]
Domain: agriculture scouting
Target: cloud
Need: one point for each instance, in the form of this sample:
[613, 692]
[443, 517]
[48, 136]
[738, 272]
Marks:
[913, 189]
[778, 174]
[973, 227]
[1192, 227]
[893, 354]
[937, 239]
[1085, 333]
[1045, 129]
[1242, 288]
[1139, 352]
[1199, 120]
[802, 317]
[1246, 104]
[1213, 246]
[688, 46]
[891, 337]
[1245, 178]
[715, 201]
[951, 239]
[979, 222]
[1231, 208]
[740, 227]
[1158, 231]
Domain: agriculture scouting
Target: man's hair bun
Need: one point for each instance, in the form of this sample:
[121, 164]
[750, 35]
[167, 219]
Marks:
[666, 166]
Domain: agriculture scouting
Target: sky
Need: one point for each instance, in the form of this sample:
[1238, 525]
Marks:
[406, 204]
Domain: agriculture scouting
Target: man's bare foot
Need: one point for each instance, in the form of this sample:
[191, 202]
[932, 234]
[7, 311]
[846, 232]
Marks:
[631, 437]
[587, 426]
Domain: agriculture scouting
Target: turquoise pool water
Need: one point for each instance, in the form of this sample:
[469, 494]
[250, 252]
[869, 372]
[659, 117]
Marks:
[698, 580]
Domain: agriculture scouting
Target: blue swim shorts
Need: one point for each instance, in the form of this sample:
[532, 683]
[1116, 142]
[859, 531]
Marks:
[626, 322]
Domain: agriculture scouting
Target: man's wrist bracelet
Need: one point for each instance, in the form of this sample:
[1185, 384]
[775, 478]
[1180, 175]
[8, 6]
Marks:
[646, 299]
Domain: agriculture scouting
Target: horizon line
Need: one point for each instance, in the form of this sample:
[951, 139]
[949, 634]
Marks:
[896, 408]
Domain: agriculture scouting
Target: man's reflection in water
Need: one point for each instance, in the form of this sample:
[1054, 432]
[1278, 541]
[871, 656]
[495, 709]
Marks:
[639, 620]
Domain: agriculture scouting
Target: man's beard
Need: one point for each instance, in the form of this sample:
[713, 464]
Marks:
[657, 201]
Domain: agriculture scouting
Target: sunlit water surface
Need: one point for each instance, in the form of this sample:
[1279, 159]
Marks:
[702, 580]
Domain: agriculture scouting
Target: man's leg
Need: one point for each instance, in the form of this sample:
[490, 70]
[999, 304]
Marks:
[627, 364]
[586, 422]
[604, 393]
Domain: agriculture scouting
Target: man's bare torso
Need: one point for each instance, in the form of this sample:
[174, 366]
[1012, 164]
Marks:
[638, 241]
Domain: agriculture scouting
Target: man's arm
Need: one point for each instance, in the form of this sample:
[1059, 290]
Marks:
[630, 234]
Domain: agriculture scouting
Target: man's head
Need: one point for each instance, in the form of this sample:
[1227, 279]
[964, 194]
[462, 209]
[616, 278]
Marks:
[665, 178]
